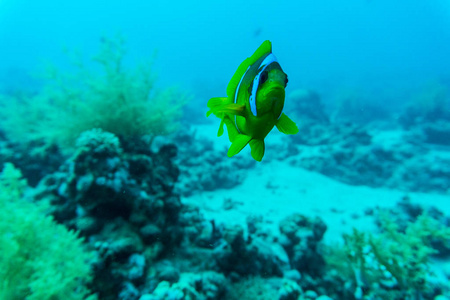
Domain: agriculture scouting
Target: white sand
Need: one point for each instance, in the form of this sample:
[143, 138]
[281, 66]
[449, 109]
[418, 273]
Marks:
[275, 190]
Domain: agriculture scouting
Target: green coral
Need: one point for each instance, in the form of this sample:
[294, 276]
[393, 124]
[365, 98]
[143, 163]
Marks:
[39, 259]
[393, 264]
[407, 255]
[119, 100]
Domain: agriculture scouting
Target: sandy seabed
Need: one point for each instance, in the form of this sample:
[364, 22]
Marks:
[274, 190]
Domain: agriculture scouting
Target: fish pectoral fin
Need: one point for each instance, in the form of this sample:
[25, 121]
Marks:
[215, 103]
[257, 147]
[232, 109]
[219, 106]
[240, 141]
[286, 125]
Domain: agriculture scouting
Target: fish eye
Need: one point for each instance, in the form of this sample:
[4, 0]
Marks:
[263, 77]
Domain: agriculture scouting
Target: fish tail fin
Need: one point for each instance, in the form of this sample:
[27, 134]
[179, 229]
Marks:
[286, 125]
[238, 144]
[257, 147]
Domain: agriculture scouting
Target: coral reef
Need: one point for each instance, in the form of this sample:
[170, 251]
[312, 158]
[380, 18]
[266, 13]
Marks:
[122, 201]
[203, 286]
[91, 145]
[33, 158]
[251, 256]
[355, 107]
[203, 168]
[300, 237]
[367, 155]
[306, 105]
[426, 117]
[426, 106]
[120, 196]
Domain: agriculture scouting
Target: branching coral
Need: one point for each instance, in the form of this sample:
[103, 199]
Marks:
[117, 100]
[393, 264]
[406, 255]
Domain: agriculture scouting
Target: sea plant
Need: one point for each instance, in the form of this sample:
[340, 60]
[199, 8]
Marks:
[104, 94]
[40, 259]
[394, 264]
[406, 255]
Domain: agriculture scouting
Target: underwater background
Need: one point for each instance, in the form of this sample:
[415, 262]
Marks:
[114, 184]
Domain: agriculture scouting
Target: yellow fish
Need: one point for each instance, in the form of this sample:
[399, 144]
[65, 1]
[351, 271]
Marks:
[254, 104]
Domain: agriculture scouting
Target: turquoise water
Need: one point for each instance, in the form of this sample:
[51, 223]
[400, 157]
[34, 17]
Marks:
[95, 140]
[369, 44]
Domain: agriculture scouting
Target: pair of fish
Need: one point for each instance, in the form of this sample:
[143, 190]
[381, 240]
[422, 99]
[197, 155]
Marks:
[254, 103]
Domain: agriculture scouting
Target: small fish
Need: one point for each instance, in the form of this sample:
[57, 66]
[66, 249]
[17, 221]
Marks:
[254, 104]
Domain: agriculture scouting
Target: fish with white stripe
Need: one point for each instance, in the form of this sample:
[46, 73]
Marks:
[254, 103]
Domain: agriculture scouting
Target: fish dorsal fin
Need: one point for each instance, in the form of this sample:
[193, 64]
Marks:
[264, 49]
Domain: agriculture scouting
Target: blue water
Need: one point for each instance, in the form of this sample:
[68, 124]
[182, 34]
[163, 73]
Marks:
[370, 45]
[369, 88]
